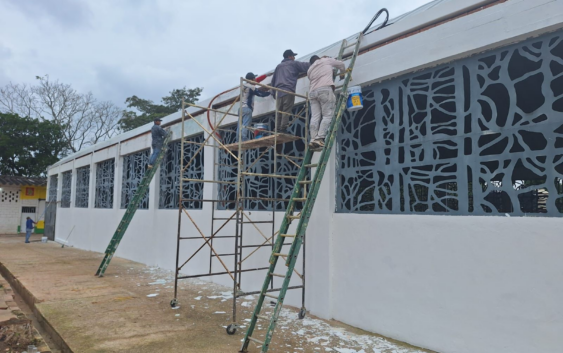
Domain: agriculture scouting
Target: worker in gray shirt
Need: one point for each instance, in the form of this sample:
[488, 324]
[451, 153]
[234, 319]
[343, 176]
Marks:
[158, 136]
[285, 77]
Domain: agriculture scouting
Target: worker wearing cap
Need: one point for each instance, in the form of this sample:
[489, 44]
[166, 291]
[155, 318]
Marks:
[158, 135]
[247, 105]
[285, 77]
[321, 96]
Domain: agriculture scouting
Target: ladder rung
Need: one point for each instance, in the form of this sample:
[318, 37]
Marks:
[288, 156]
[278, 254]
[277, 275]
[351, 45]
[271, 296]
[305, 182]
[300, 199]
[288, 235]
[311, 165]
[269, 290]
[293, 217]
[263, 317]
[255, 340]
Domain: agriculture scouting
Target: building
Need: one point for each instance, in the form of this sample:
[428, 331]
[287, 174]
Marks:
[439, 223]
[21, 197]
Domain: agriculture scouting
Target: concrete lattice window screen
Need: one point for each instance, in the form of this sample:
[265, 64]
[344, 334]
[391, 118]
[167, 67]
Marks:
[134, 168]
[82, 187]
[105, 177]
[10, 196]
[53, 185]
[482, 135]
[66, 189]
[261, 186]
[170, 171]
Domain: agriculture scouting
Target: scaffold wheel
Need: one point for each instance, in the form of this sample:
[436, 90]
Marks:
[231, 329]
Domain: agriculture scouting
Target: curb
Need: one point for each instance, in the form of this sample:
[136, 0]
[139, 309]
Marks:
[30, 300]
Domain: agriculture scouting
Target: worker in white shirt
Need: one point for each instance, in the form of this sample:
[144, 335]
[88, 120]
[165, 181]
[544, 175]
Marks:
[321, 97]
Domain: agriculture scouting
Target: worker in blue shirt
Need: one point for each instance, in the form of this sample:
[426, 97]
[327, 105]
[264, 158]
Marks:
[28, 228]
[247, 105]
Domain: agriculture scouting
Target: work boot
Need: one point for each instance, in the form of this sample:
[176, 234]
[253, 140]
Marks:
[313, 145]
[317, 145]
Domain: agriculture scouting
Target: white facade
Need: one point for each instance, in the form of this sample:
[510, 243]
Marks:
[10, 209]
[449, 283]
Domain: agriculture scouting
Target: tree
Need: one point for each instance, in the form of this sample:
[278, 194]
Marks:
[84, 120]
[147, 111]
[28, 146]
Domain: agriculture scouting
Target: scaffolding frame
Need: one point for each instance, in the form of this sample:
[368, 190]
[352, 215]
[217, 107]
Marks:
[239, 216]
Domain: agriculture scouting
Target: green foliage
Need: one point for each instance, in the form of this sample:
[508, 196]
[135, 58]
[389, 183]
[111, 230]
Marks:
[146, 111]
[28, 146]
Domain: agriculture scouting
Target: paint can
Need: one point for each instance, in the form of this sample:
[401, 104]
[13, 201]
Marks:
[260, 130]
[355, 99]
[43, 239]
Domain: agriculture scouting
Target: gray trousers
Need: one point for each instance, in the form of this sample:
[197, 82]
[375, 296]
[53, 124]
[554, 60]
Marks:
[284, 104]
[322, 109]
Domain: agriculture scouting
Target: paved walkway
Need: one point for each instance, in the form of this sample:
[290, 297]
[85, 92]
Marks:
[129, 311]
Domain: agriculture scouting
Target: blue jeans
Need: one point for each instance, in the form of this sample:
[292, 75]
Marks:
[155, 152]
[27, 234]
[246, 121]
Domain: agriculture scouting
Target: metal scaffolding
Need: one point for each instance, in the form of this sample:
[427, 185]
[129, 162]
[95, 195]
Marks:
[242, 217]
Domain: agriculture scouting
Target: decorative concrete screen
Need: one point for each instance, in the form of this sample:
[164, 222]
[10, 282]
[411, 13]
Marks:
[105, 176]
[53, 184]
[66, 189]
[262, 187]
[82, 187]
[134, 168]
[480, 136]
[170, 175]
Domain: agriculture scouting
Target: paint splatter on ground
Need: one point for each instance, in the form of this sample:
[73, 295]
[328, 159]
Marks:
[308, 335]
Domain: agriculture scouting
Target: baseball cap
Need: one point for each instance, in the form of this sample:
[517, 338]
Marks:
[288, 53]
[158, 119]
[250, 76]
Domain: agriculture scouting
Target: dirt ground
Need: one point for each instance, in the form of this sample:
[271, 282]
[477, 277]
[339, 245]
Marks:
[128, 310]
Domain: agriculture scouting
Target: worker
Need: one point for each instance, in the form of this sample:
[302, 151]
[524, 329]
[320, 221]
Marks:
[247, 106]
[28, 228]
[285, 77]
[321, 97]
[158, 135]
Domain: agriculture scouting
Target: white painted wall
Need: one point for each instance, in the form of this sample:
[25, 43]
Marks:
[10, 209]
[452, 284]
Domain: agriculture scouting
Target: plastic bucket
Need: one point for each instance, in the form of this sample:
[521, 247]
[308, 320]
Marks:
[43, 239]
[355, 99]
[259, 130]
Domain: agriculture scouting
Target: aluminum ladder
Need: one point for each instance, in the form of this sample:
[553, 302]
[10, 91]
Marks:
[131, 209]
[305, 214]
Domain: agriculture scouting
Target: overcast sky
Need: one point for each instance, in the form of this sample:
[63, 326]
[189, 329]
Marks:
[119, 48]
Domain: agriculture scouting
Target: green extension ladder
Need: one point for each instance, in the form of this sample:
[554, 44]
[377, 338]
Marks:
[305, 214]
[131, 209]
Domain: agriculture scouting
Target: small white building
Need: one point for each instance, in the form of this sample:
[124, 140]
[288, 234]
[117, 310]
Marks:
[21, 197]
[439, 220]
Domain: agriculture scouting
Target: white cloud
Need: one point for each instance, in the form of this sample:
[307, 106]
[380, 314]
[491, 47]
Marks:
[147, 48]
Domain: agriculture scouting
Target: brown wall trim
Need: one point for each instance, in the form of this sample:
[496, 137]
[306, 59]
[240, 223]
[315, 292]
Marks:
[426, 28]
